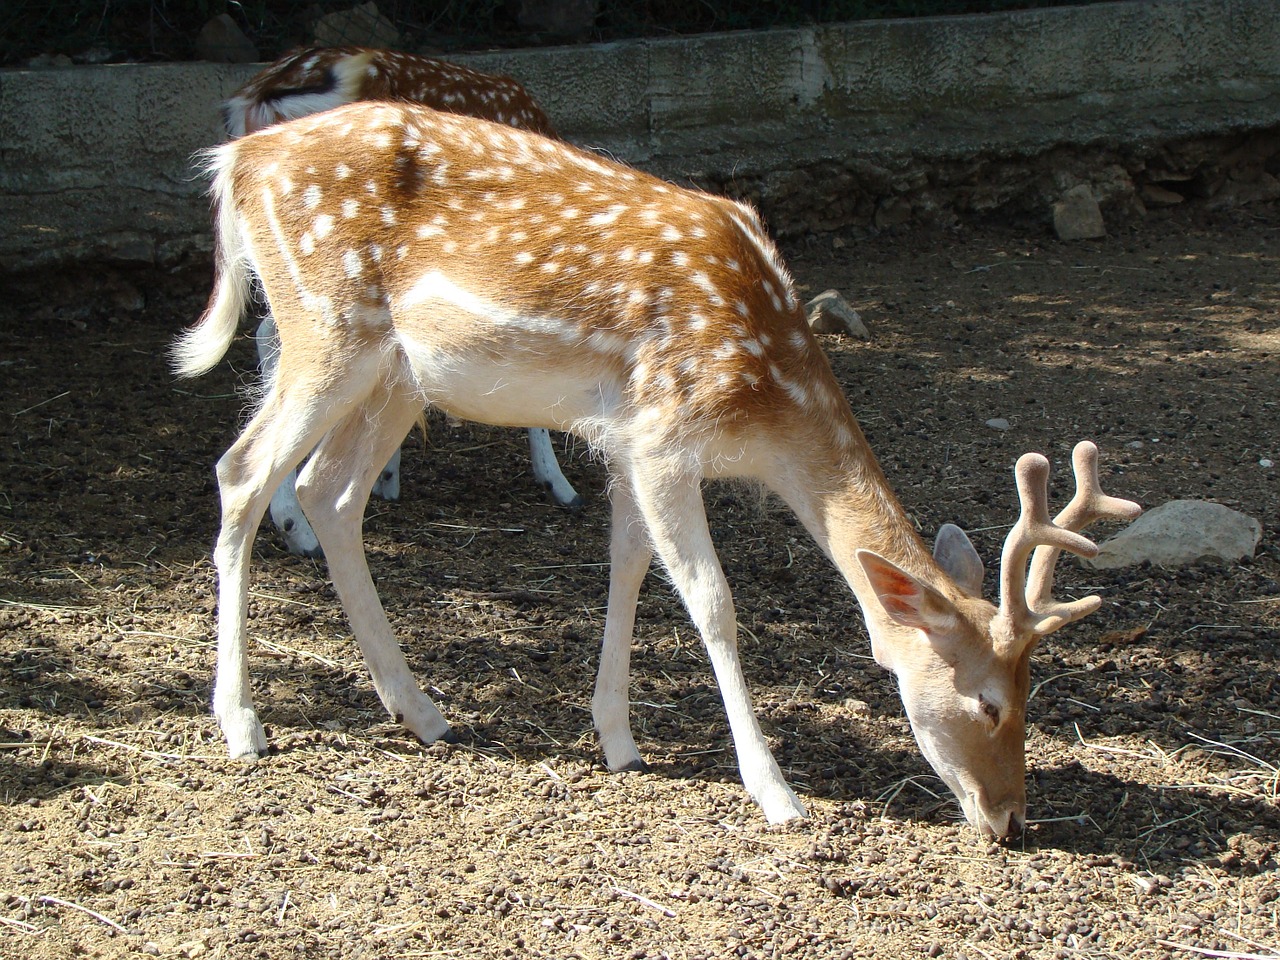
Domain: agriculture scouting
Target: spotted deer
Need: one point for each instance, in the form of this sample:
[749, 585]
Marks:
[415, 257]
[319, 78]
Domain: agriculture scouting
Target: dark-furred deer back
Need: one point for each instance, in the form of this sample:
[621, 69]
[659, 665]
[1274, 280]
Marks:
[320, 78]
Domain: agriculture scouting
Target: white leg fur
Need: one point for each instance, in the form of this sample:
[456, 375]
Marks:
[546, 469]
[335, 488]
[672, 508]
[629, 557]
[276, 438]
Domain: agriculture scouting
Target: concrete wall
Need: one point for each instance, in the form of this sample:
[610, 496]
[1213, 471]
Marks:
[95, 162]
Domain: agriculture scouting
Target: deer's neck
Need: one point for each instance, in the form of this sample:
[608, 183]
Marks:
[847, 505]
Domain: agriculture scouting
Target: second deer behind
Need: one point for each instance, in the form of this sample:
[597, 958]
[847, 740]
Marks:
[315, 79]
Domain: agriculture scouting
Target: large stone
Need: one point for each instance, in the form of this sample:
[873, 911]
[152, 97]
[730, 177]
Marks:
[362, 26]
[1181, 532]
[1255, 186]
[1077, 215]
[222, 41]
[893, 212]
[830, 313]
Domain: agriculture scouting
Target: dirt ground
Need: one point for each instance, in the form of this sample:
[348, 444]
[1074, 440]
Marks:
[1154, 731]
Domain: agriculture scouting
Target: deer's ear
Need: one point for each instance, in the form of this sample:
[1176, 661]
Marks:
[955, 554]
[904, 599]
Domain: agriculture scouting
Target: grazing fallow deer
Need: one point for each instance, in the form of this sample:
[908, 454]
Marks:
[416, 257]
[319, 78]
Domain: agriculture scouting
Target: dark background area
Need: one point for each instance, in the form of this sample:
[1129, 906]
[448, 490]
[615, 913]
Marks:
[122, 31]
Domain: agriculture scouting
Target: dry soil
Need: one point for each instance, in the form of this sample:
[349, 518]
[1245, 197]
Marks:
[1154, 725]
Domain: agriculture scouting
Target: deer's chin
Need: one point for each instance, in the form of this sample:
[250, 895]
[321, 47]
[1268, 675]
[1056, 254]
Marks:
[999, 823]
[967, 798]
[969, 807]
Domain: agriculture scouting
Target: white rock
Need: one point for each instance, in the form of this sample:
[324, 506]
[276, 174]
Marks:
[1266, 463]
[1077, 215]
[1181, 532]
[829, 312]
[998, 423]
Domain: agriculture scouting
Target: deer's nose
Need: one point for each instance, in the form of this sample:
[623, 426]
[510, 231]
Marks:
[1014, 826]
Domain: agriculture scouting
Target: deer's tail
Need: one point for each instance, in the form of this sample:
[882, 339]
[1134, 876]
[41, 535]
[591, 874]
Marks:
[198, 349]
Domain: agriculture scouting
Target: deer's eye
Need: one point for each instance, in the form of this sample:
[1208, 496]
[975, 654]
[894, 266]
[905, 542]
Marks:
[989, 710]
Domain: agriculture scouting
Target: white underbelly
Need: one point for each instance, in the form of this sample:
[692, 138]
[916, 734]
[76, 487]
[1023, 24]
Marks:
[514, 392]
[475, 359]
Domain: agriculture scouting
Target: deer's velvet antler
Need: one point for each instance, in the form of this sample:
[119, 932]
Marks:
[1025, 599]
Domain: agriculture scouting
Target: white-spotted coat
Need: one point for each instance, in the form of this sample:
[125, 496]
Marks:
[554, 287]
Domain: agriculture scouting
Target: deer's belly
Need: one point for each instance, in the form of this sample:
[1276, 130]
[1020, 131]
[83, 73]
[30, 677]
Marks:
[524, 390]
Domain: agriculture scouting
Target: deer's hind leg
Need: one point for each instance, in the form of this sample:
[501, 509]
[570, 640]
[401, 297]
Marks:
[286, 512]
[291, 420]
[333, 490]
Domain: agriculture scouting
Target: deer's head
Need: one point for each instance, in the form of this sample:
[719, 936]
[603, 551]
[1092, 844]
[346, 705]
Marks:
[963, 663]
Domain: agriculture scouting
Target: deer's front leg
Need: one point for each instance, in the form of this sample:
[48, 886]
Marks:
[673, 511]
[334, 489]
[629, 556]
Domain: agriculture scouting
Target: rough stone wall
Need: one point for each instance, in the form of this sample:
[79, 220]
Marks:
[1126, 180]
[868, 124]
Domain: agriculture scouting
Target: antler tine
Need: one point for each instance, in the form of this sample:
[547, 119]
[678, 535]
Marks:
[1035, 529]
[1088, 505]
